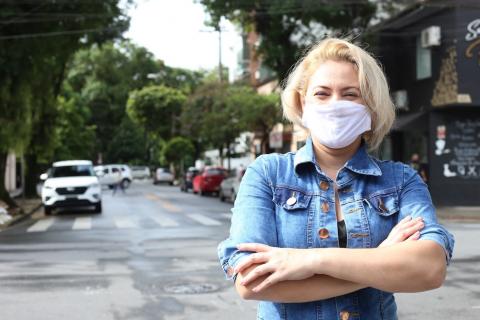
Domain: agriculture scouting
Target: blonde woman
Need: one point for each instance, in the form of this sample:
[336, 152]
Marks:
[330, 232]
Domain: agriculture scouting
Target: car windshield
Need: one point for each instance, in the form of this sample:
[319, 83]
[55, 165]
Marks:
[72, 171]
[215, 172]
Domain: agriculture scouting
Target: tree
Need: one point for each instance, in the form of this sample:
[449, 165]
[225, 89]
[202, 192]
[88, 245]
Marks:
[287, 27]
[216, 114]
[72, 143]
[179, 151]
[103, 76]
[35, 48]
[259, 113]
[127, 145]
[156, 109]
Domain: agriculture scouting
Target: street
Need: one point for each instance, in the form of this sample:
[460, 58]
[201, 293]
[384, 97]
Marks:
[151, 254]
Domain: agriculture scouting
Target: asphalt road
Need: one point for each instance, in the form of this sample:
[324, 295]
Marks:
[152, 255]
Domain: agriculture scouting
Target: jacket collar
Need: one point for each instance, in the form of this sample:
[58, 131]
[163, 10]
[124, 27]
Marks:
[361, 162]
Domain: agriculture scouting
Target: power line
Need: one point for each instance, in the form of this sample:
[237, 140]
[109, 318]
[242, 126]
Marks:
[55, 33]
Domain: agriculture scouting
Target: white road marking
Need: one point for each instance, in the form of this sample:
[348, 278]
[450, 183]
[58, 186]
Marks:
[476, 307]
[82, 223]
[204, 220]
[227, 215]
[165, 222]
[124, 223]
[41, 225]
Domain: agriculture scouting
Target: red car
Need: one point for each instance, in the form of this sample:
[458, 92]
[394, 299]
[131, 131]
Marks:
[209, 180]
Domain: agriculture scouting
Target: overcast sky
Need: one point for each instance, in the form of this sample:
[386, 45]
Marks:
[174, 31]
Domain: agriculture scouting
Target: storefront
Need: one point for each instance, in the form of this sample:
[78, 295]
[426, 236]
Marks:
[431, 55]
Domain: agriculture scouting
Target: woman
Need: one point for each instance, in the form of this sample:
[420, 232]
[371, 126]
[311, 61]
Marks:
[330, 232]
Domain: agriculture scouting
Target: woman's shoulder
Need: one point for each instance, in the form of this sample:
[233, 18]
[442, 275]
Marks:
[274, 159]
[391, 168]
[272, 165]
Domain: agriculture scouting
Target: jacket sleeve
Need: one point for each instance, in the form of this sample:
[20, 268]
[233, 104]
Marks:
[253, 218]
[415, 200]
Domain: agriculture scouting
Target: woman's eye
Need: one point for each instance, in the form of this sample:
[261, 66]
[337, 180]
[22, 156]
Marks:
[351, 94]
[321, 93]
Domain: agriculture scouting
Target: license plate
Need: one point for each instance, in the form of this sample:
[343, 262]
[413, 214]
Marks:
[71, 197]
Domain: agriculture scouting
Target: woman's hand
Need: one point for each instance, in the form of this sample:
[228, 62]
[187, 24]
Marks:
[406, 230]
[281, 263]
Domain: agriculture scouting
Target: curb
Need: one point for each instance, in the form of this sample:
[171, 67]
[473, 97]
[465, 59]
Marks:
[20, 218]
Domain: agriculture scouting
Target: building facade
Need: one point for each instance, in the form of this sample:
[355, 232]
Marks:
[431, 56]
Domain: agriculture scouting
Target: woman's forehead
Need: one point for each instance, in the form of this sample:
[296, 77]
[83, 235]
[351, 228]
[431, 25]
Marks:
[334, 73]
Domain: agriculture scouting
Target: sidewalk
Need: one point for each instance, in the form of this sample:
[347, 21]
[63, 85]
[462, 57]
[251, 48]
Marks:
[460, 214]
[29, 206]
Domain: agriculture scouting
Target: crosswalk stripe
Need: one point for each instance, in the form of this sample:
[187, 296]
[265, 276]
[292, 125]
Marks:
[124, 223]
[82, 223]
[41, 225]
[165, 222]
[227, 215]
[203, 219]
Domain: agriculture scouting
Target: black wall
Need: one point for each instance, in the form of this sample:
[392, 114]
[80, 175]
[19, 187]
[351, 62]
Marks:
[455, 156]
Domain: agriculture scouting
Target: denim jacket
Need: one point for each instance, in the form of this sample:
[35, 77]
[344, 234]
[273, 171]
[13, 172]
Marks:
[374, 195]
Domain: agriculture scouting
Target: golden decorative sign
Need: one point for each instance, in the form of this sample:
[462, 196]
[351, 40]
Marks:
[473, 34]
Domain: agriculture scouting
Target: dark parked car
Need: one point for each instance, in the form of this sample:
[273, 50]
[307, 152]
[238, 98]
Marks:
[209, 180]
[187, 180]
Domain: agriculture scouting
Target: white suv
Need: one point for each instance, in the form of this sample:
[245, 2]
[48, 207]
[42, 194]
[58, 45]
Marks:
[112, 174]
[71, 184]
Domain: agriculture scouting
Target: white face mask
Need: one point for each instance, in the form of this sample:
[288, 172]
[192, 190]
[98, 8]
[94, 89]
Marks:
[338, 124]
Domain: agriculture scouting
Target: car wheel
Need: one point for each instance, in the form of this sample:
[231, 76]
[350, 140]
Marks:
[47, 210]
[233, 196]
[98, 208]
[202, 193]
[126, 183]
[221, 196]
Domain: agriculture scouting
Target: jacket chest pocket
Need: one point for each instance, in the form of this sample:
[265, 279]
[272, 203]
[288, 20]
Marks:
[382, 208]
[293, 216]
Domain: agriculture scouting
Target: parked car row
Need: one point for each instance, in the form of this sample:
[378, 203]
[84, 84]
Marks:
[212, 180]
[78, 184]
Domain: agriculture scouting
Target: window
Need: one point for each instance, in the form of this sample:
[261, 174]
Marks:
[424, 61]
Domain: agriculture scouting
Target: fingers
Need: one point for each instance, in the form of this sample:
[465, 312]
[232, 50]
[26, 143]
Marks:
[255, 258]
[255, 273]
[414, 236]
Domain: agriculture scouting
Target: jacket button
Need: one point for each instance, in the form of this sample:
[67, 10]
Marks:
[323, 233]
[324, 185]
[344, 315]
[325, 207]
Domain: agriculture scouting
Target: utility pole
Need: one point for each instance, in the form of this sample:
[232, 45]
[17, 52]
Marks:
[220, 73]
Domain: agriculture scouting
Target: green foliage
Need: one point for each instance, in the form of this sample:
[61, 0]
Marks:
[216, 114]
[156, 109]
[128, 144]
[36, 43]
[180, 152]
[104, 76]
[75, 139]
[288, 27]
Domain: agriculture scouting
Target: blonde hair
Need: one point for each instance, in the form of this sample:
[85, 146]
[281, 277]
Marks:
[373, 85]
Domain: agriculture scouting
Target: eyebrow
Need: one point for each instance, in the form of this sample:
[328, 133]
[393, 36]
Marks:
[343, 89]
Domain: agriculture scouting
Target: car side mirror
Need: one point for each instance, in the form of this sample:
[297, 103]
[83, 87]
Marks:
[43, 176]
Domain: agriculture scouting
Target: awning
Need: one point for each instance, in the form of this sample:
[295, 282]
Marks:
[417, 121]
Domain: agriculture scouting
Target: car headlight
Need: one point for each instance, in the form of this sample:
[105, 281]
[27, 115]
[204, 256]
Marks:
[95, 186]
[47, 187]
